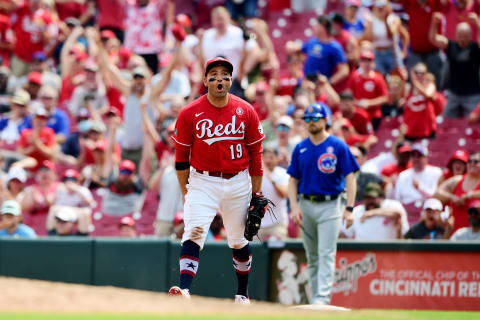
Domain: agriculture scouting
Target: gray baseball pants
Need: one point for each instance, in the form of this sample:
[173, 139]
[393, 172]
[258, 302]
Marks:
[321, 221]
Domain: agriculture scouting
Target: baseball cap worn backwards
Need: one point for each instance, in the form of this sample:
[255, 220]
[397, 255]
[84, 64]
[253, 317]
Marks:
[218, 61]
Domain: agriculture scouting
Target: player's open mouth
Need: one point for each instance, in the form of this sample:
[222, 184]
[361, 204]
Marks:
[219, 87]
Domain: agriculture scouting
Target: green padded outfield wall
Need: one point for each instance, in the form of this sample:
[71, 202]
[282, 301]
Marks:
[139, 264]
[66, 260]
[148, 264]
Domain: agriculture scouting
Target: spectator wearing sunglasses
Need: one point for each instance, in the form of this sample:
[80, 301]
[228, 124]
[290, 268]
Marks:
[473, 231]
[459, 190]
[125, 191]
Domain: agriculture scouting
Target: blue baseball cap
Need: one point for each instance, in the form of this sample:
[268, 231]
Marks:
[318, 110]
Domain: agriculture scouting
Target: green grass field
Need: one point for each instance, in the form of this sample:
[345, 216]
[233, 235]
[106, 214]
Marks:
[353, 315]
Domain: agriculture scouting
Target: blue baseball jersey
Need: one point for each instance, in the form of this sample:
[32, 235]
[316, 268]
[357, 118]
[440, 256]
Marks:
[322, 57]
[322, 169]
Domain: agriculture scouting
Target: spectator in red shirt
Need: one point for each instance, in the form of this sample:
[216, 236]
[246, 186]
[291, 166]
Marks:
[348, 42]
[34, 28]
[111, 16]
[457, 165]
[474, 117]
[70, 9]
[352, 138]
[262, 103]
[460, 191]
[289, 80]
[33, 85]
[357, 116]
[7, 39]
[421, 49]
[419, 109]
[403, 153]
[456, 11]
[369, 88]
[39, 142]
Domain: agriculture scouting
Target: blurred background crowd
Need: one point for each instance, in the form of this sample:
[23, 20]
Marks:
[90, 90]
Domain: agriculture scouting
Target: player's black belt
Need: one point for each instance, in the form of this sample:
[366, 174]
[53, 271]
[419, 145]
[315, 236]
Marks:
[320, 197]
[224, 175]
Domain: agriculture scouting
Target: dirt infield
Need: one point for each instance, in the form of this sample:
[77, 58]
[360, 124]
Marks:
[42, 296]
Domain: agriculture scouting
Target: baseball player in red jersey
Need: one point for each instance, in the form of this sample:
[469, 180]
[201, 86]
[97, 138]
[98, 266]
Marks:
[218, 155]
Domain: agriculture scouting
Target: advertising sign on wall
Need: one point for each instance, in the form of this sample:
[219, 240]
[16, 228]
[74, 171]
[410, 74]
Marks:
[385, 279]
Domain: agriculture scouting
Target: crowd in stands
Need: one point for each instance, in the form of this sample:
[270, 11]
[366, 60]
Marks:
[90, 91]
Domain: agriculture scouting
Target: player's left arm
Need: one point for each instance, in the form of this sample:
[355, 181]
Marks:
[254, 137]
[351, 189]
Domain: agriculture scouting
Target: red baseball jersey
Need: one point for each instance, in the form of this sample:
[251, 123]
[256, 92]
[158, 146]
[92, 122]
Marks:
[365, 87]
[218, 138]
[419, 116]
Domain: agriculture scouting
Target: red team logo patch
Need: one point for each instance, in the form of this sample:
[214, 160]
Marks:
[327, 163]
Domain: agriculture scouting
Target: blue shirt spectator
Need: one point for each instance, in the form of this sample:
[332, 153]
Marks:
[322, 57]
[22, 231]
[18, 120]
[58, 120]
[11, 216]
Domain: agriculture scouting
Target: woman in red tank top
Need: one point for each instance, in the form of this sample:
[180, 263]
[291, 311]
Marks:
[419, 108]
[459, 191]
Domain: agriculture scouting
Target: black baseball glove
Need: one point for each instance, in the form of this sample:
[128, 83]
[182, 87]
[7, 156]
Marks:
[258, 206]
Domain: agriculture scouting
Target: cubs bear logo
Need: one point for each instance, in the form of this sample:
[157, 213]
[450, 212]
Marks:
[327, 163]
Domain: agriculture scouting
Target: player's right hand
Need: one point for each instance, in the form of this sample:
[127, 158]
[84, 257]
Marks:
[297, 215]
[347, 218]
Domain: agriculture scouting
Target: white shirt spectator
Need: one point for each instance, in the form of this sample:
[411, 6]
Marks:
[280, 178]
[80, 197]
[376, 228]
[406, 193]
[179, 85]
[229, 46]
[170, 196]
[376, 164]
[467, 234]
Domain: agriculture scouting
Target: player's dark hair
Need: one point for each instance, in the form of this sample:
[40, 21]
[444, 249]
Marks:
[326, 22]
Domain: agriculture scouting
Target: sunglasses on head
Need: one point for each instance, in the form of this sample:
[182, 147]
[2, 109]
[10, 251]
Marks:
[308, 119]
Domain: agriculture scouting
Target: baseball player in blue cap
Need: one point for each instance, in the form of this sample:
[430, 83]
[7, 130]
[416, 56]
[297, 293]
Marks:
[321, 170]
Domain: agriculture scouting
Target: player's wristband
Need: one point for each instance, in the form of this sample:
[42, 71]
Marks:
[182, 165]
[257, 194]
[349, 208]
